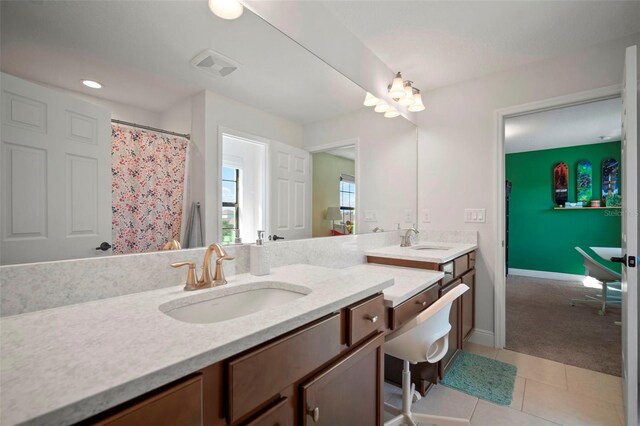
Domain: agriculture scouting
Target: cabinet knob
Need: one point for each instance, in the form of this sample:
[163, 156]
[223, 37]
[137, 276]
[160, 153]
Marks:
[314, 413]
[373, 319]
[423, 303]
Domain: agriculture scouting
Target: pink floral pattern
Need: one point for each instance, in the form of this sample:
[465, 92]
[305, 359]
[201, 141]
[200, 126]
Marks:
[148, 180]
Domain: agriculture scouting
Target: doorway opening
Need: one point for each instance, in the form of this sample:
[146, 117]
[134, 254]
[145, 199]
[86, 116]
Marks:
[244, 177]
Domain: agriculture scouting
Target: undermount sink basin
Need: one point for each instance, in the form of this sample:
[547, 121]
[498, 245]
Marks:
[425, 247]
[197, 310]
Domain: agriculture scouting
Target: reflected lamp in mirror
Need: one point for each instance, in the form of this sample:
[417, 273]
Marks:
[333, 214]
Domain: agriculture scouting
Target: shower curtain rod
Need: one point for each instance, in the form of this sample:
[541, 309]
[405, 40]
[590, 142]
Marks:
[154, 129]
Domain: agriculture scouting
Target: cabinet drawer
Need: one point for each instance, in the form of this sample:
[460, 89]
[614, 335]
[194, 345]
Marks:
[280, 414]
[449, 275]
[252, 384]
[460, 265]
[364, 318]
[472, 259]
[404, 312]
[180, 404]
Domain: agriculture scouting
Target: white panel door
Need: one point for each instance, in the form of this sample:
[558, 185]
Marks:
[290, 192]
[56, 174]
[630, 219]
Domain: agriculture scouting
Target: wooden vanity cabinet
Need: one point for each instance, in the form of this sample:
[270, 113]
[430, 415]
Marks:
[334, 365]
[456, 271]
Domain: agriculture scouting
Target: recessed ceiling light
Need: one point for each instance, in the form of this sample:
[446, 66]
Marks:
[226, 9]
[92, 84]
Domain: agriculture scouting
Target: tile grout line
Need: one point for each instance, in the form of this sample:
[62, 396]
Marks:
[524, 393]
[475, 406]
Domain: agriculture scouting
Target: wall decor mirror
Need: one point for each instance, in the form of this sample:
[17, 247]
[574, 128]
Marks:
[122, 135]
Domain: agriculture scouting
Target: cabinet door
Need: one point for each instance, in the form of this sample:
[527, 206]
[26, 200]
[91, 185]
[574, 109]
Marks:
[349, 392]
[454, 334]
[277, 415]
[467, 302]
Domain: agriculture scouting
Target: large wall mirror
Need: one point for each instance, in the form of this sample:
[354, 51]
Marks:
[202, 130]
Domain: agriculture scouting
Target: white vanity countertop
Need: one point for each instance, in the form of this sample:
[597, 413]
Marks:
[407, 281]
[61, 365]
[435, 252]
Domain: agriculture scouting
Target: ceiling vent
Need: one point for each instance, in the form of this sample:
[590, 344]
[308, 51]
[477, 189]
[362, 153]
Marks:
[214, 63]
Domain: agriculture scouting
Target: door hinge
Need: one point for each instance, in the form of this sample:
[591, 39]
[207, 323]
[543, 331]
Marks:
[631, 263]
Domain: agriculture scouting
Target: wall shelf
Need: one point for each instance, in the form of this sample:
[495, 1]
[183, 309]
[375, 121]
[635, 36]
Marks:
[586, 208]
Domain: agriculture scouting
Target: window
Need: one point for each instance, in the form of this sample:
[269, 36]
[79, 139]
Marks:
[348, 202]
[230, 204]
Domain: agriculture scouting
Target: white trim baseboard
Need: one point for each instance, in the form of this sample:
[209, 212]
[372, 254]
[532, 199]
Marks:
[560, 276]
[482, 337]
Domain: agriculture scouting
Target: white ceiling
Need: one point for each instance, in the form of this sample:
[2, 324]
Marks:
[438, 43]
[348, 152]
[141, 50]
[590, 123]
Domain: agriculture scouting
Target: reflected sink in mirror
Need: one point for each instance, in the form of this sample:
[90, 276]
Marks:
[197, 310]
[425, 247]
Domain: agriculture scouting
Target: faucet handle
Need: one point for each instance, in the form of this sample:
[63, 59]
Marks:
[191, 283]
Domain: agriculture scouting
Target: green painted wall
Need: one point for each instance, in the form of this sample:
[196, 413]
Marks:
[327, 169]
[541, 238]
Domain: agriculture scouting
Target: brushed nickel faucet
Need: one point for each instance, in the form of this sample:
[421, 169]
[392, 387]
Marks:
[206, 280]
[405, 241]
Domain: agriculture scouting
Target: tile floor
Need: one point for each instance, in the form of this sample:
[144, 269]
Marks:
[546, 393]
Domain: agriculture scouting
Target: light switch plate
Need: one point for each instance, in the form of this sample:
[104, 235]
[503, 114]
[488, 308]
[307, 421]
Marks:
[426, 215]
[370, 216]
[475, 215]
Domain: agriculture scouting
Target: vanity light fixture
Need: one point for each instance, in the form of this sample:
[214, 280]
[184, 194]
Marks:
[92, 84]
[407, 97]
[226, 9]
[381, 106]
[417, 101]
[370, 100]
[396, 90]
[391, 113]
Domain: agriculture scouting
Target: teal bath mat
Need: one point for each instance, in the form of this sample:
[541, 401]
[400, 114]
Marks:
[482, 377]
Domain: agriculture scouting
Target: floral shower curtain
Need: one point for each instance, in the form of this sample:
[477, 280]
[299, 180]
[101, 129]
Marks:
[148, 181]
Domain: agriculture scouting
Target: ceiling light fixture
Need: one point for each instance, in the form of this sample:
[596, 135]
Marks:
[226, 9]
[407, 97]
[370, 100]
[92, 84]
[381, 106]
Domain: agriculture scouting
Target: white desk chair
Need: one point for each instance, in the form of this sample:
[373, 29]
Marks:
[607, 276]
[424, 339]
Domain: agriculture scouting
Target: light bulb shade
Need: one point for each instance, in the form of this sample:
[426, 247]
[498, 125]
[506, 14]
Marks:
[418, 105]
[407, 98]
[391, 113]
[226, 9]
[333, 213]
[397, 87]
[381, 106]
[370, 100]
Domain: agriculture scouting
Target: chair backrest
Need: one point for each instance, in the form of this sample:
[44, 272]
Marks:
[426, 337]
[596, 269]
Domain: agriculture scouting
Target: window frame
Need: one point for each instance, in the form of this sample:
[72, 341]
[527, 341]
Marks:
[236, 205]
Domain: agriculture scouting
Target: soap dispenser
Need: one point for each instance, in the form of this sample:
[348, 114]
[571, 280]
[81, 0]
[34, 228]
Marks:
[259, 262]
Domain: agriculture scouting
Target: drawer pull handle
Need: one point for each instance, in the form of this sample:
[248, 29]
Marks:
[314, 413]
[373, 319]
[424, 303]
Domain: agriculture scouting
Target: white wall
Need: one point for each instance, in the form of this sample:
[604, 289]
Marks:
[386, 166]
[457, 143]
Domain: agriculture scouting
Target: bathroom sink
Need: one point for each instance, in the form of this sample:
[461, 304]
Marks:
[197, 310]
[425, 247]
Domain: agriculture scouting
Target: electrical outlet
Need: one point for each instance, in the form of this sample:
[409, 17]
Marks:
[426, 216]
[408, 216]
[475, 215]
[370, 216]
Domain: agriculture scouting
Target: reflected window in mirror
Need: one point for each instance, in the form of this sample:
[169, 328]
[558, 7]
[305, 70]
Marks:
[230, 204]
[347, 203]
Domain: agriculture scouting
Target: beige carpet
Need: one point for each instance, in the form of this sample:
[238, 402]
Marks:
[540, 322]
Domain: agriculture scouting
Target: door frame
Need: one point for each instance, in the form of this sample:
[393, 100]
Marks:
[500, 115]
[341, 144]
